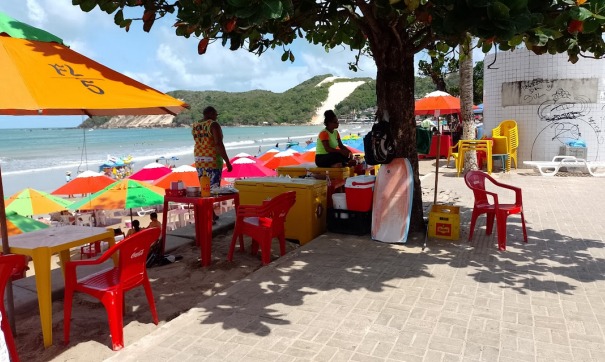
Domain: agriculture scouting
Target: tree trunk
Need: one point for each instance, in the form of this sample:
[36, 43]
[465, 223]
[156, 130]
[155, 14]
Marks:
[466, 101]
[395, 98]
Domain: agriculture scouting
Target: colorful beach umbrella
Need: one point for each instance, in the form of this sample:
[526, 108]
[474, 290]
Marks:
[18, 224]
[41, 76]
[34, 202]
[268, 154]
[185, 173]
[246, 167]
[284, 158]
[439, 101]
[309, 155]
[241, 155]
[151, 172]
[87, 182]
[123, 194]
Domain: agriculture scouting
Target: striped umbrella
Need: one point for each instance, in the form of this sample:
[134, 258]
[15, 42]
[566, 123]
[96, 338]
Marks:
[33, 202]
[123, 194]
[18, 224]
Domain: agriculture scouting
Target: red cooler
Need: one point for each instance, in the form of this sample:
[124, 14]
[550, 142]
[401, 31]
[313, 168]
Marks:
[360, 192]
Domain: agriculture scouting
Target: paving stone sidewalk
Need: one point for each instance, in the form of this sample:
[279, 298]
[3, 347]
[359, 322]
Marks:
[348, 298]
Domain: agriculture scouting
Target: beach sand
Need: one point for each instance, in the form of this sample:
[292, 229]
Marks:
[177, 287]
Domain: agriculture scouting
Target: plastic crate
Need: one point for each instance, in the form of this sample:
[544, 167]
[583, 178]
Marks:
[349, 222]
[577, 152]
[444, 222]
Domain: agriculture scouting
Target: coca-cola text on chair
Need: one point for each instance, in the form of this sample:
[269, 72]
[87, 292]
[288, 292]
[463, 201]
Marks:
[475, 180]
[109, 285]
[263, 223]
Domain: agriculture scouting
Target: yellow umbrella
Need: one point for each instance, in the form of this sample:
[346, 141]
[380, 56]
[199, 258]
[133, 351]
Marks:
[42, 78]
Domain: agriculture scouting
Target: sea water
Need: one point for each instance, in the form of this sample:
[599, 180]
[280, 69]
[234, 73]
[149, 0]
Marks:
[39, 157]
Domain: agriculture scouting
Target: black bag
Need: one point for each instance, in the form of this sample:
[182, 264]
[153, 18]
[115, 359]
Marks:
[155, 257]
[378, 144]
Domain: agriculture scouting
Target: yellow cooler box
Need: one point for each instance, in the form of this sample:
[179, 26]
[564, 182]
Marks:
[297, 171]
[307, 218]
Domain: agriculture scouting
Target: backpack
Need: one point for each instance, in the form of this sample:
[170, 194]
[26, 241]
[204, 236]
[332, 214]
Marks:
[155, 257]
[378, 144]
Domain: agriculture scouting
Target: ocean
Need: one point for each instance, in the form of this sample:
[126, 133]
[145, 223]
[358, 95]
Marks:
[39, 157]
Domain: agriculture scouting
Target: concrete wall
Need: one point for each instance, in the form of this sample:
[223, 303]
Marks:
[552, 100]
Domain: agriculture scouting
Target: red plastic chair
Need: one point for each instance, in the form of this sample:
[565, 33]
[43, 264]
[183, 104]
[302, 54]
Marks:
[263, 223]
[475, 180]
[10, 265]
[109, 285]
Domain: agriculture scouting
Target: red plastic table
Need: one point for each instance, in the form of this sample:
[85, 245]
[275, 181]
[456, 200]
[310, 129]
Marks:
[202, 211]
[446, 143]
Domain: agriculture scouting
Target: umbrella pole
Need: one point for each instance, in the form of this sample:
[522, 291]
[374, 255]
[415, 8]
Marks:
[10, 307]
[437, 160]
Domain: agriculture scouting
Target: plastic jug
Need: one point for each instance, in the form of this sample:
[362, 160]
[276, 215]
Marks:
[205, 184]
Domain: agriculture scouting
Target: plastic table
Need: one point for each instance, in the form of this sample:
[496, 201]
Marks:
[202, 211]
[41, 245]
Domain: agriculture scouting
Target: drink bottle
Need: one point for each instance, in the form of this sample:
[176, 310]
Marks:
[205, 184]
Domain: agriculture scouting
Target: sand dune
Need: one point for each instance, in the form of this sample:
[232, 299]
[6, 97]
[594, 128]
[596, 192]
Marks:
[336, 94]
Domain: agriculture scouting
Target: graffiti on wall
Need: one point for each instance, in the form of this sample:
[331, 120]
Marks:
[565, 114]
[537, 91]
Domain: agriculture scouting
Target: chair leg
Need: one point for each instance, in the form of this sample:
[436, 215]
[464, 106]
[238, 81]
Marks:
[490, 223]
[501, 225]
[523, 224]
[266, 250]
[150, 300]
[113, 305]
[8, 338]
[473, 221]
[232, 246]
[241, 243]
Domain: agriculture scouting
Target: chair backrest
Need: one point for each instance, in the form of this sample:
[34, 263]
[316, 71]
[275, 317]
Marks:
[10, 264]
[279, 206]
[506, 137]
[475, 180]
[133, 252]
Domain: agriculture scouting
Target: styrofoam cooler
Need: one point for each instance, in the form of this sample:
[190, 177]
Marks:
[360, 192]
[339, 200]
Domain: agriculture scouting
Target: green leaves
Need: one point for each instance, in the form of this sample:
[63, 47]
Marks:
[580, 13]
[87, 5]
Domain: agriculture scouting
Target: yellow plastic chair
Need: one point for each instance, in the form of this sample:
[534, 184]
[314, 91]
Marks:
[506, 141]
[452, 152]
[474, 145]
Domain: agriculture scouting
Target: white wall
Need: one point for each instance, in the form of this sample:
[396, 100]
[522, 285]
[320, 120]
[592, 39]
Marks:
[562, 106]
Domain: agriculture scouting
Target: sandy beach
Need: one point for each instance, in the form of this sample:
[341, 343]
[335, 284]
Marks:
[177, 287]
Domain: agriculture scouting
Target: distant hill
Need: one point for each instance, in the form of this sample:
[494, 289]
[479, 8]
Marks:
[302, 104]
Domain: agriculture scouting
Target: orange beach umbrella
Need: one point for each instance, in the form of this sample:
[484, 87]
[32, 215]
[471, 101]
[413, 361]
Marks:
[437, 101]
[87, 182]
[185, 173]
[123, 194]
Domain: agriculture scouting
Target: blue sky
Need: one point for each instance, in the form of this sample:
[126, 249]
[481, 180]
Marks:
[166, 62]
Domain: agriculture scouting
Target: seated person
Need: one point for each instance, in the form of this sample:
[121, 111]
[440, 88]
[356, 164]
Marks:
[330, 151]
[154, 223]
[136, 227]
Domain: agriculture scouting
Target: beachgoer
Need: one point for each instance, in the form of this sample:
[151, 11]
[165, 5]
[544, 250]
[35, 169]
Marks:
[309, 141]
[154, 223]
[330, 151]
[67, 179]
[136, 227]
[209, 151]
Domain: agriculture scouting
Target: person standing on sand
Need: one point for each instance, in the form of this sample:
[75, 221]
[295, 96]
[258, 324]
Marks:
[330, 151]
[209, 150]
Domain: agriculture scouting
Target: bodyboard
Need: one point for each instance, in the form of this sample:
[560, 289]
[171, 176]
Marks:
[392, 204]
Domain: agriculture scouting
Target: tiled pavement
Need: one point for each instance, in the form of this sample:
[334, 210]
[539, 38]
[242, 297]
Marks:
[347, 298]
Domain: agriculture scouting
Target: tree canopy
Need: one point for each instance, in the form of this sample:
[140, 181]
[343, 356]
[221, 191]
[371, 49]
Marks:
[390, 31]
